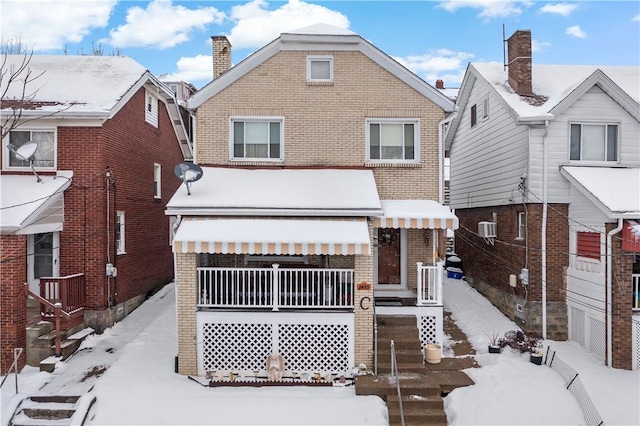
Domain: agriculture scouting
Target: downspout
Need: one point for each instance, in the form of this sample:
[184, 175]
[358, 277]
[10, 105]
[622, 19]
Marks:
[441, 156]
[543, 265]
[175, 281]
[610, 234]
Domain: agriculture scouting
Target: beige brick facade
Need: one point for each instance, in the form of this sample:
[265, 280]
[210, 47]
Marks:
[186, 286]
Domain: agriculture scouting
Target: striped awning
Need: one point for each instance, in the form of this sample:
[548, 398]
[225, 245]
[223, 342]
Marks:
[415, 214]
[272, 236]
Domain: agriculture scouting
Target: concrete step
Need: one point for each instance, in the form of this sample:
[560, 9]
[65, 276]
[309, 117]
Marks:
[406, 367]
[53, 410]
[410, 384]
[412, 356]
[398, 330]
[419, 401]
[424, 416]
[400, 343]
[68, 346]
[394, 320]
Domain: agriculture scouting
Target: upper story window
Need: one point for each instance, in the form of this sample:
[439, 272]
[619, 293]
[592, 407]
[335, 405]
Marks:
[120, 232]
[392, 140]
[485, 108]
[522, 226]
[151, 109]
[320, 68]
[474, 115]
[45, 155]
[594, 142]
[157, 171]
[257, 138]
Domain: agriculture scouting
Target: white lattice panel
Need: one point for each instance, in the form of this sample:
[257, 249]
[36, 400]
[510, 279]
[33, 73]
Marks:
[315, 347]
[635, 342]
[428, 329]
[243, 340]
[597, 338]
[577, 325]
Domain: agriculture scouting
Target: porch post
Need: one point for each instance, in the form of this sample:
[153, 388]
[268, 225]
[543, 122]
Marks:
[186, 299]
[275, 291]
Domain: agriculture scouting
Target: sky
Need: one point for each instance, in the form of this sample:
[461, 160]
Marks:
[434, 39]
[134, 382]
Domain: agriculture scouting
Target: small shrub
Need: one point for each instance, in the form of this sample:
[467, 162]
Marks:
[523, 342]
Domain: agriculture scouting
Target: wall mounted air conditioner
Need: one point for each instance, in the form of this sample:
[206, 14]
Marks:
[487, 229]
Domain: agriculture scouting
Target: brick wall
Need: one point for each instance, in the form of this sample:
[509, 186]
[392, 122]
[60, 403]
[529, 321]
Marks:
[488, 266]
[364, 314]
[13, 306]
[622, 299]
[186, 294]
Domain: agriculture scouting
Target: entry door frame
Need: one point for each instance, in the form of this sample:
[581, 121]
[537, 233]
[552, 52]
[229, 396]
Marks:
[34, 283]
[392, 289]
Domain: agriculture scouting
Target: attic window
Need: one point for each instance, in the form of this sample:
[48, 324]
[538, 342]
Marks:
[474, 115]
[151, 109]
[320, 68]
[485, 108]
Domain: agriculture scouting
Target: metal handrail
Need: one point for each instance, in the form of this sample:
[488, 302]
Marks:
[16, 355]
[396, 378]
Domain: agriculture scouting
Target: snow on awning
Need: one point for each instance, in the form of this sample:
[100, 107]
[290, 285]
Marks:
[631, 236]
[272, 236]
[30, 207]
[416, 214]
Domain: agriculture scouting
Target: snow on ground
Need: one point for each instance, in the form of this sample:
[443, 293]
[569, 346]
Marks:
[130, 369]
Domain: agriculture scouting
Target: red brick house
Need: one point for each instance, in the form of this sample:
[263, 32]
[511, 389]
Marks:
[86, 221]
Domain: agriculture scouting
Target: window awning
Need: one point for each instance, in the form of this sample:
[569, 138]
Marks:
[272, 236]
[31, 207]
[416, 214]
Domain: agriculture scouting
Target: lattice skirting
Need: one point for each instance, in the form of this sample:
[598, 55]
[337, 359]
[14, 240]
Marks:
[589, 330]
[312, 342]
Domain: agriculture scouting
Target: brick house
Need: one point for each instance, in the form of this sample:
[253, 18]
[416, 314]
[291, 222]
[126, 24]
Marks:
[79, 225]
[320, 195]
[545, 179]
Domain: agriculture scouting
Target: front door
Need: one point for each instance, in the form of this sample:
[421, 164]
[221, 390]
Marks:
[43, 258]
[390, 256]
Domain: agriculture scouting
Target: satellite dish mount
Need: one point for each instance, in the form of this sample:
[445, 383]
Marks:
[26, 152]
[188, 173]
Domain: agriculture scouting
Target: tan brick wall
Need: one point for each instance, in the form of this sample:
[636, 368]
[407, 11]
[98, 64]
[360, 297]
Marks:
[364, 317]
[186, 286]
[325, 124]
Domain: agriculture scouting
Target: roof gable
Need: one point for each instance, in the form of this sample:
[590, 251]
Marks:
[326, 38]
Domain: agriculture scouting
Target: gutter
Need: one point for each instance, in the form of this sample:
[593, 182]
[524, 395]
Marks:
[610, 234]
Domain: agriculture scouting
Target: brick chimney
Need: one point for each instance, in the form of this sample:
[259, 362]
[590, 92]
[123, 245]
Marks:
[221, 49]
[519, 62]
[439, 84]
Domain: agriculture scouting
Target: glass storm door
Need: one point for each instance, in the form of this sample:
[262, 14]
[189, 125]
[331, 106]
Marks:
[43, 261]
[390, 268]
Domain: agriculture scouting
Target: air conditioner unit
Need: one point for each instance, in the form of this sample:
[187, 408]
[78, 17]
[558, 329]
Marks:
[487, 229]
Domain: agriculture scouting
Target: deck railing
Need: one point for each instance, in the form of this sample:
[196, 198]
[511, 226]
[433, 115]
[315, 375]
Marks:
[69, 291]
[635, 278]
[430, 279]
[275, 288]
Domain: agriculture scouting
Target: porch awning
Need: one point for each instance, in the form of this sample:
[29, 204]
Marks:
[416, 214]
[272, 236]
[31, 207]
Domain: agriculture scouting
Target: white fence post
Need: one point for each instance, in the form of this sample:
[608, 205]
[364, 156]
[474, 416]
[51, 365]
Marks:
[275, 291]
[439, 281]
[420, 288]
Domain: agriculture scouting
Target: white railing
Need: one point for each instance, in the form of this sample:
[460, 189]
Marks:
[430, 279]
[275, 288]
[635, 278]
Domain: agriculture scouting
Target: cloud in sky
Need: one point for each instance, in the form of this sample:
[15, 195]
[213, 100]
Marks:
[564, 9]
[539, 46]
[575, 31]
[256, 26]
[435, 64]
[489, 9]
[636, 18]
[66, 21]
[150, 27]
[192, 69]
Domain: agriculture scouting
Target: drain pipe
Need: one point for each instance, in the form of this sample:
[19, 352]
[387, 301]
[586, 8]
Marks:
[610, 235]
[441, 134]
[543, 246]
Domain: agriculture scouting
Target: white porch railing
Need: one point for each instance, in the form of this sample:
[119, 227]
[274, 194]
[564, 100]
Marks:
[635, 278]
[275, 288]
[430, 279]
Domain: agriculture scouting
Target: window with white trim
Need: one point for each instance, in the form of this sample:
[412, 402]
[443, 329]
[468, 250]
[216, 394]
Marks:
[151, 109]
[320, 68]
[257, 138]
[45, 155]
[120, 232]
[522, 226]
[392, 140]
[157, 172]
[593, 142]
[485, 108]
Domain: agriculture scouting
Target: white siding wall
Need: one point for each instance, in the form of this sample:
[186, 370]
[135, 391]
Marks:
[487, 160]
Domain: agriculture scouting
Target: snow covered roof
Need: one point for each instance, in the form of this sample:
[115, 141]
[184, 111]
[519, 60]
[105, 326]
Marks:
[613, 190]
[78, 84]
[288, 192]
[273, 236]
[556, 82]
[320, 37]
[28, 206]
[416, 214]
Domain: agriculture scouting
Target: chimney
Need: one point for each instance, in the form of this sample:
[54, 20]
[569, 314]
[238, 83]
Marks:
[519, 62]
[221, 55]
[439, 84]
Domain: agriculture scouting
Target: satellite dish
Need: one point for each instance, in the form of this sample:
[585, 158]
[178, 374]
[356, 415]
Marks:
[188, 173]
[26, 152]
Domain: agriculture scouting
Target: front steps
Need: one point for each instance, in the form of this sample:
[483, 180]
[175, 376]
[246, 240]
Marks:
[52, 410]
[41, 339]
[422, 386]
